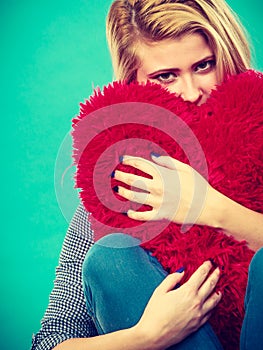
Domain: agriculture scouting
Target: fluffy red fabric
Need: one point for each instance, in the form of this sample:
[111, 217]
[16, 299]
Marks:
[221, 139]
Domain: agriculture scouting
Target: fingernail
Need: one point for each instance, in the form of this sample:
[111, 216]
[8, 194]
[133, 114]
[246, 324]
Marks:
[153, 154]
[116, 189]
[112, 174]
[120, 159]
[180, 270]
[212, 262]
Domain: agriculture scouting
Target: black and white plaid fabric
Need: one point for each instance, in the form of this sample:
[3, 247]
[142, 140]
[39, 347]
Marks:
[66, 316]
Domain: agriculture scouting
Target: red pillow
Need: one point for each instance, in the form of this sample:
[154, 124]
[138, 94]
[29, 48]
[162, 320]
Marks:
[222, 140]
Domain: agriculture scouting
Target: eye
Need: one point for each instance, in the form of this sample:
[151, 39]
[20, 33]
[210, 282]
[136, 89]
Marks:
[165, 78]
[205, 66]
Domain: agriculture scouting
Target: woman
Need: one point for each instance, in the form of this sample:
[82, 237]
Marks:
[188, 47]
[205, 53]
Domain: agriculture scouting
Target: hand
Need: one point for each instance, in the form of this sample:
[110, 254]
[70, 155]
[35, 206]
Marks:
[172, 315]
[175, 192]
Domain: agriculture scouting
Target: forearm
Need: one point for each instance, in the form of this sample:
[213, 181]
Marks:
[127, 339]
[161, 325]
[240, 222]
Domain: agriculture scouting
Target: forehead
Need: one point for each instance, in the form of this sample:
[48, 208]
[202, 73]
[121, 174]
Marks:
[173, 53]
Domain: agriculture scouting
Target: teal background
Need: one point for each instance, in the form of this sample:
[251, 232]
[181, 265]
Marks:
[52, 54]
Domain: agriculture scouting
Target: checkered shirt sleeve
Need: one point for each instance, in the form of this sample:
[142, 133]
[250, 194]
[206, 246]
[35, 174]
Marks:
[66, 315]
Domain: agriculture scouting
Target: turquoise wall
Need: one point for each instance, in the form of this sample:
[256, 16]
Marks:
[52, 54]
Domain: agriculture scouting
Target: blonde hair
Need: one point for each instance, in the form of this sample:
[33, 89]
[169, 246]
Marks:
[132, 22]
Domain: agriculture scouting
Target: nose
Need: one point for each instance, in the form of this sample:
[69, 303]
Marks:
[190, 91]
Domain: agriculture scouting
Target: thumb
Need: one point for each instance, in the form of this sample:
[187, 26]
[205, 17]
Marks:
[169, 282]
[165, 161]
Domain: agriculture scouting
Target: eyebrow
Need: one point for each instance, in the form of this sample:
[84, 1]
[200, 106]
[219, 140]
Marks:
[167, 70]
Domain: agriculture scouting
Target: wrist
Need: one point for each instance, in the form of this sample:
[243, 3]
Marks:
[215, 209]
[145, 338]
[222, 212]
[150, 339]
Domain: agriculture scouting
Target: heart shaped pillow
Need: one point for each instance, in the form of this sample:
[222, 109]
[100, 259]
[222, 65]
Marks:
[221, 139]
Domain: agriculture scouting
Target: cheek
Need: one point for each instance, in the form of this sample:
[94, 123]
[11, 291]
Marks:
[210, 83]
[171, 88]
[141, 77]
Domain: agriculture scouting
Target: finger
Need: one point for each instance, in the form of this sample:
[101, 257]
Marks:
[134, 196]
[211, 302]
[148, 215]
[200, 275]
[170, 163]
[142, 164]
[169, 282]
[165, 161]
[133, 180]
[209, 284]
[204, 319]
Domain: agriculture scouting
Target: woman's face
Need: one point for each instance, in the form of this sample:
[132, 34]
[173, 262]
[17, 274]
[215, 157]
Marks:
[185, 66]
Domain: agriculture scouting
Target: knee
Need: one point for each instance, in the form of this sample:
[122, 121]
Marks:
[103, 255]
[117, 240]
[256, 265]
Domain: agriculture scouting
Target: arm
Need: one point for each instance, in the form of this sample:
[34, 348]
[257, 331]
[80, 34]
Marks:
[126, 339]
[66, 316]
[239, 221]
[162, 325]
[178, 193]
[67, 326]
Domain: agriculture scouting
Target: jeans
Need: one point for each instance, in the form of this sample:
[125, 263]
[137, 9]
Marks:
[119, 278]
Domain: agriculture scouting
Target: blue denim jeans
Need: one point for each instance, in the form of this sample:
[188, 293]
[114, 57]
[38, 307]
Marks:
[119, 278]
[252, 328]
